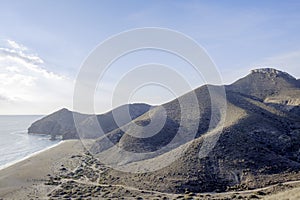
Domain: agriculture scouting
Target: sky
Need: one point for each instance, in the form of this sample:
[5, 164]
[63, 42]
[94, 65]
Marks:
[44, 43]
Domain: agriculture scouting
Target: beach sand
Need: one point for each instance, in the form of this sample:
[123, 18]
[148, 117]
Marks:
[66, 171]
[25, 179]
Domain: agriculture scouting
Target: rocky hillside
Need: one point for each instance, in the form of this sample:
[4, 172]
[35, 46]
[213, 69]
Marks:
[267, 82]
[258, 146]
[61, 123]
[274, 87]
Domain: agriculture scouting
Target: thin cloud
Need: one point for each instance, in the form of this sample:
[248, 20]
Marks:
[25, 84]
[15, 45]
[19, 51]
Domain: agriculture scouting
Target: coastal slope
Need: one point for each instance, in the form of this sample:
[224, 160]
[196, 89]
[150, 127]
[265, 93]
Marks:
[257, 145]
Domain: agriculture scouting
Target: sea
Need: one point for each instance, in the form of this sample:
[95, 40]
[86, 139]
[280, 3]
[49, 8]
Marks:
[15, 143]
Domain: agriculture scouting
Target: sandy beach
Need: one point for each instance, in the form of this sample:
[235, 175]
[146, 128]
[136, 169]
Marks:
[27, 177]
[66, 171]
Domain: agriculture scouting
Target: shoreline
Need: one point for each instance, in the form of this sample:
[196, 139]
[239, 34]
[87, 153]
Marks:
[27, 177]
[40, 176]
[2, 167]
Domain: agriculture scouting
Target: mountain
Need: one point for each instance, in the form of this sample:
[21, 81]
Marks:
[61, 123]
[57, 123]
[272, 86]
[251, 141]
[258, 145]
[266, 82]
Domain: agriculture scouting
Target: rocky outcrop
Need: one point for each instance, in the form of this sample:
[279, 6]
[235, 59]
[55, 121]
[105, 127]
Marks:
[272, 73]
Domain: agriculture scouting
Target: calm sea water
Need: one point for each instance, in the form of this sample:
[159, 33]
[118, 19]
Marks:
[15, 143]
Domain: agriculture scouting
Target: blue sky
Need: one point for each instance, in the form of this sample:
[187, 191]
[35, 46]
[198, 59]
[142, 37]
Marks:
[238, 36]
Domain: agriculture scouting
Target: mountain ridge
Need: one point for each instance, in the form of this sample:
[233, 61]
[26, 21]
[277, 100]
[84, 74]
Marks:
[258, 145]
[259, 142]
[61, 122]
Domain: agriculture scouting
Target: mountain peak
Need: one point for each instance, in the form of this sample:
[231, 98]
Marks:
[271, 72]
[64, 109]
[265, 82]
